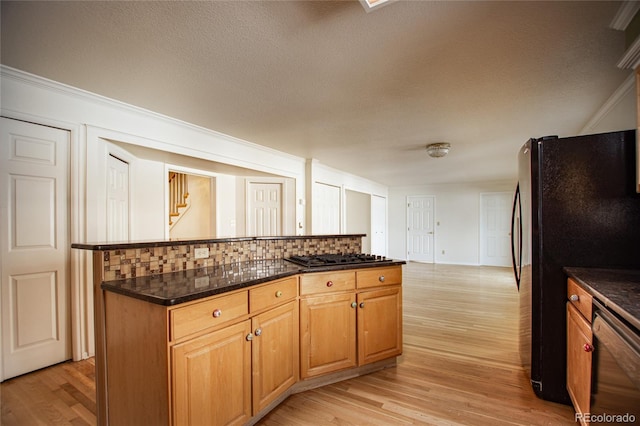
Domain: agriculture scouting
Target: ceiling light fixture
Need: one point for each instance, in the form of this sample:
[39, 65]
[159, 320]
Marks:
[439, 149]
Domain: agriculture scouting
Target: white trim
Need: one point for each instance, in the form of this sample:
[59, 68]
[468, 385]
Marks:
[239, 160]
[631, 58]
[625, 14]
[623, 90]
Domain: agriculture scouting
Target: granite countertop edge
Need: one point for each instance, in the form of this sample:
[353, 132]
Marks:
[120, 245]
[616, 289]
[129, 287]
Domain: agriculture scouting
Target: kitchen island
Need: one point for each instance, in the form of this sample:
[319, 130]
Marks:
[224, 339]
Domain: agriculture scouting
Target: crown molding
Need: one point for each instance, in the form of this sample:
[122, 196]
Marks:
[631, 58]
[627, 86]
[625, 14]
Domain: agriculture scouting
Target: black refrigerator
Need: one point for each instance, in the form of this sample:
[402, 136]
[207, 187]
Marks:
[575, 205]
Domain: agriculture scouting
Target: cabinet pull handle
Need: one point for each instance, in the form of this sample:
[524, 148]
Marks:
[249, 337]
[588, 347]
[278, 293]
[381, 278]
[354, 304]
[258, 331]
[329, 283]
[574, 297]
[217, 313]
[362, 304]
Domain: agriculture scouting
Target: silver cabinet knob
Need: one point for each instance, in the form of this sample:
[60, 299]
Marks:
[574, 297]
[362, 304]
[381, 278]
[217, 313]
[354, 304]
[249, 337]
[258, 331]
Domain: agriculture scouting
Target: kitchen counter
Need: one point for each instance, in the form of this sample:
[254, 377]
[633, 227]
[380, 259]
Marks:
[617, 289]
[173, 288]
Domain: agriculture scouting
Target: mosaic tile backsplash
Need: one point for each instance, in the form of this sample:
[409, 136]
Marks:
[138, 262]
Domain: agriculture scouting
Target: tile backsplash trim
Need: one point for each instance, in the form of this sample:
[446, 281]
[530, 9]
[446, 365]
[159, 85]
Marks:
[138, 262]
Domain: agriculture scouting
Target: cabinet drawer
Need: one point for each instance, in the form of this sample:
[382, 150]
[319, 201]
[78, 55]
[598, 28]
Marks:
[209, 313]
[376, 277]
[327, 282]
[273, 294]
[579, 298]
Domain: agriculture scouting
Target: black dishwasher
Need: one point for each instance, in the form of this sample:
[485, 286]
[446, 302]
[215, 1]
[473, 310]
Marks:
[615, 390]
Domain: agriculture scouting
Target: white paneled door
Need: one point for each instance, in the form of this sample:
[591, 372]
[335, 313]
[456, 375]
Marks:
[495, 229]
[265, 209]
[34, 256]
[327, 209]
[420, 228]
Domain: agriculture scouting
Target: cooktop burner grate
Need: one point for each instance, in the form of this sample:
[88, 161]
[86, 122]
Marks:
[336, 259]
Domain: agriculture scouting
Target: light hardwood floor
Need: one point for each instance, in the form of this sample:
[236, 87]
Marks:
[460, 366]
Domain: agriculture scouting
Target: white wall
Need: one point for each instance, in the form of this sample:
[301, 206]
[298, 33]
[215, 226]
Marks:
[457, 216]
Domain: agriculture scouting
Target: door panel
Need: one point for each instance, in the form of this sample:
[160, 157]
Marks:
[265, 209]
[326, 209]
[420, 228]
[34, 252]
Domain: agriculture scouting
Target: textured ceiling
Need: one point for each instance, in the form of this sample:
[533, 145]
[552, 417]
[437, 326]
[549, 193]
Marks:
[361, 92]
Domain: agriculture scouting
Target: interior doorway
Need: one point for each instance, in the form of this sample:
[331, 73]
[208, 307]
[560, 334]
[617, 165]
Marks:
[191, 211]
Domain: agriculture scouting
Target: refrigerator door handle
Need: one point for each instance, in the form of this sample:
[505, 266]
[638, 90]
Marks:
[516, 258]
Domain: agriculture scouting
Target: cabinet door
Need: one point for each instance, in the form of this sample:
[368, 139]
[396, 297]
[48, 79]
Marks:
[327, 334]
[379, 324]
[212, 378]
[579, 354]
[275, 353]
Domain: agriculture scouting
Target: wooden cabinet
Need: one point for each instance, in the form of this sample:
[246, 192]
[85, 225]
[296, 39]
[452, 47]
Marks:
[349, 319]
[579, 347]
[212, 378]
[275, 347]
[379, 324]
[214, 361]
[327, 333]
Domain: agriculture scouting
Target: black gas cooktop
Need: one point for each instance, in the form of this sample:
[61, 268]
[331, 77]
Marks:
[318, 260]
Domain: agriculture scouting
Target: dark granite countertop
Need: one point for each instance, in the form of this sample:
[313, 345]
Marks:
[617, 289]
[178, 287]
[163, 243]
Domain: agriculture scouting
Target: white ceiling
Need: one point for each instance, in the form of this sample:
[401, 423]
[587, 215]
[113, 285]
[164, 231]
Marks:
[361, 92]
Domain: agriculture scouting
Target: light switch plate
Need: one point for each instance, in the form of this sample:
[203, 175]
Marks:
[202, 253]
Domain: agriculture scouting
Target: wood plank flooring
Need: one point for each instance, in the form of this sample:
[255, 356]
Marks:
[460, 366]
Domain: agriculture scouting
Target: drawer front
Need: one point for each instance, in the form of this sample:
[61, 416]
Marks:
[327, 282]
[376, 277]
[273, 294]
[209, 313]
[579, 298]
